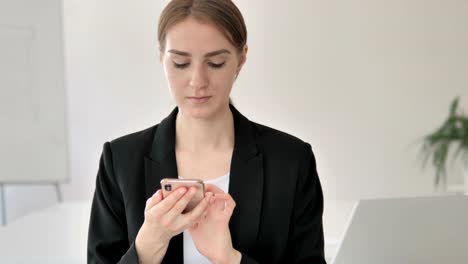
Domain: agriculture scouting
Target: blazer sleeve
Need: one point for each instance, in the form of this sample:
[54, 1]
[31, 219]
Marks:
[306, 243]
[107, 234]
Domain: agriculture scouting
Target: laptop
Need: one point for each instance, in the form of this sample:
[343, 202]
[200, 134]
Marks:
[424, 230]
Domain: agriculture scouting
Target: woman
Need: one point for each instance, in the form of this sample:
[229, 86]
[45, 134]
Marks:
[263, 201]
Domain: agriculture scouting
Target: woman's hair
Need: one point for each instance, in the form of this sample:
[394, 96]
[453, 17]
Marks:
[222, 13]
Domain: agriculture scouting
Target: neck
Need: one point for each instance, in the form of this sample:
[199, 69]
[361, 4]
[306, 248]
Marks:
[198, 135]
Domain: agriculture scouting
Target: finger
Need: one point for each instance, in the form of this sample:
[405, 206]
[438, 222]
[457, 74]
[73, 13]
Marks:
[201, 218]
[216, 205]
[193, 227]
[223, 196]
[212, 188]
[224, 200]
[153, 200]
[180, 205]
[229, 209]
[198, 211]
[204, 215]
[168, 202]
[219, 204]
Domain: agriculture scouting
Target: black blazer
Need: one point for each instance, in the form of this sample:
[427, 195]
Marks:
[273, 180]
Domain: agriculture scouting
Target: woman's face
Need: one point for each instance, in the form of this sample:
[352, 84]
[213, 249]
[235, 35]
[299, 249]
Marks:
[200, 65]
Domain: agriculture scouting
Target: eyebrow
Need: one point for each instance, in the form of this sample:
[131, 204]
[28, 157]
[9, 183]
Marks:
[207, 55]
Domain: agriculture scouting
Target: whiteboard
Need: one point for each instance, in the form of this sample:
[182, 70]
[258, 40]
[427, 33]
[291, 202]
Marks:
[32, 93]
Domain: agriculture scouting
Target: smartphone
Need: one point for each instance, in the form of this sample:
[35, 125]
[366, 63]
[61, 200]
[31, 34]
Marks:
[169, 185]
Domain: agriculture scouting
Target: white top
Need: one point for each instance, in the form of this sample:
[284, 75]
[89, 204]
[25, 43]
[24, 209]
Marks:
[191, 254]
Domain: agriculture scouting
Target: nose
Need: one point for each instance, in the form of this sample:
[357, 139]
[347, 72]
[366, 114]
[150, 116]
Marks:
[198, 78]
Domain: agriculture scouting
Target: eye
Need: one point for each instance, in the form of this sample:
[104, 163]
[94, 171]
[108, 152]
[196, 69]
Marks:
[181, 65]
[215, 65]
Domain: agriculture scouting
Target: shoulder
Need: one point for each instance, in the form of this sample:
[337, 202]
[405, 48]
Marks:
[134, 143]
[276, 142]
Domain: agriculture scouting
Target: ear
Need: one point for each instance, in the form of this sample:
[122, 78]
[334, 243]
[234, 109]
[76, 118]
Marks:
[243, 58]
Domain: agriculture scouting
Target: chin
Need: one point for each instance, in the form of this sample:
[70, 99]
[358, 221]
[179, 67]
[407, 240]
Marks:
[204, 110]
[199, 112]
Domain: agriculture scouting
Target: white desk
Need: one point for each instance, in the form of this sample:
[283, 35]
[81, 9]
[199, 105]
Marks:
[59, 233]
[55, 235]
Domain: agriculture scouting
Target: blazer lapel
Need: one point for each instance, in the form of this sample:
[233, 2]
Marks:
[246, 185]
[161, 163]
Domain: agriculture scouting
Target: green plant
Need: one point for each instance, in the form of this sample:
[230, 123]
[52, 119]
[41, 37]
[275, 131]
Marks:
[437, 146]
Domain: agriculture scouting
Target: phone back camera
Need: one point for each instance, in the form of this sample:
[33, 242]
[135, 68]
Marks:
[168, 187]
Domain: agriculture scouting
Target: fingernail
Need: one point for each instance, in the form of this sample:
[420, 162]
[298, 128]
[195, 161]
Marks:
[182, 191]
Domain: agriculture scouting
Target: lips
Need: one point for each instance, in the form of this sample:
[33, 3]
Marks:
[199, 99]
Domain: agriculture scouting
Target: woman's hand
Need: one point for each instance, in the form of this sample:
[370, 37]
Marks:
[164, 219]
[211, 234]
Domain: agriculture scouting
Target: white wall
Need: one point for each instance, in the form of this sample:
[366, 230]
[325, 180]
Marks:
[33, 144]
[361, 81]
